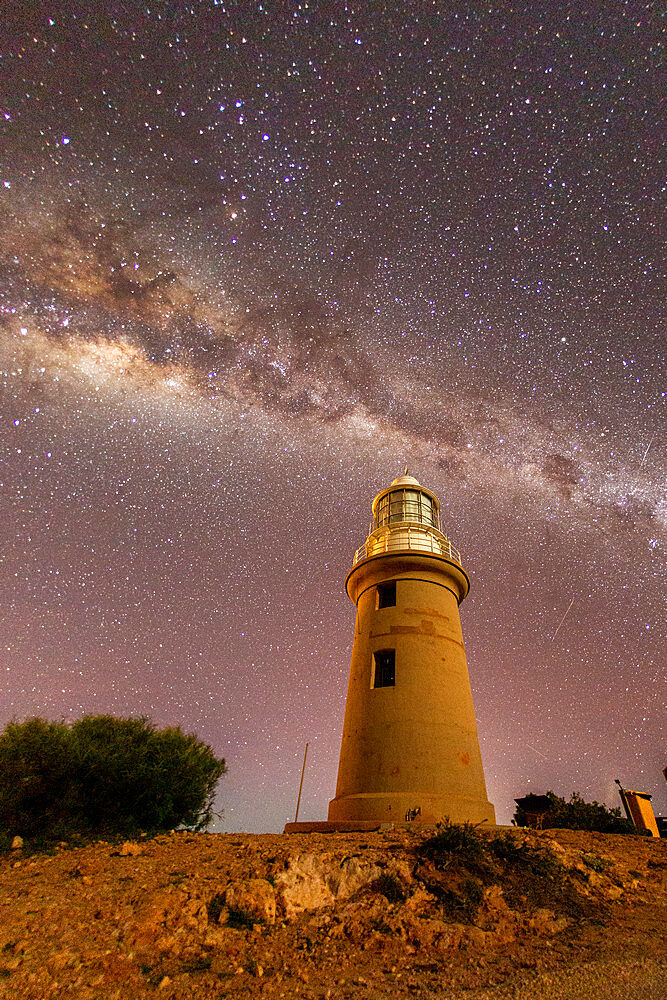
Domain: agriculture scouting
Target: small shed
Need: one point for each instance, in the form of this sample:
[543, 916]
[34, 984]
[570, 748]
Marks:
[535, 810]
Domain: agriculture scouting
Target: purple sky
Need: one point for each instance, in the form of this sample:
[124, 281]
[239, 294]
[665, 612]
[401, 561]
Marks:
[255, 258]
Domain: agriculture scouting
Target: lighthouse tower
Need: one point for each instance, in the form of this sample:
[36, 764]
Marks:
[410, 749]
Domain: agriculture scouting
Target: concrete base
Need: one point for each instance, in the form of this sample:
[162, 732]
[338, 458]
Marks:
[393, 807]
[361, 827]
[349, 826]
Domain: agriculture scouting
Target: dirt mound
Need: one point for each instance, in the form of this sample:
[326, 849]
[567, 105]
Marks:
[396, 913]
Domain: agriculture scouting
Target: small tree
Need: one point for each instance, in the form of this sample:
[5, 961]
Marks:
[103, 775]
[580, 815]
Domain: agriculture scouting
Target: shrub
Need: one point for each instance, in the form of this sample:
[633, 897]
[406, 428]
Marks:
[580, 815]
[505, 847]
[103, 775]
[457, 847]
[390, 887]
[458, 841]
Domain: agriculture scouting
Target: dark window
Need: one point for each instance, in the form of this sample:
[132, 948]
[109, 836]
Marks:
[385, 670]
[387, 595]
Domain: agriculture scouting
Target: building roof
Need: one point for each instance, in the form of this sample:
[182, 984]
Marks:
[405, 481]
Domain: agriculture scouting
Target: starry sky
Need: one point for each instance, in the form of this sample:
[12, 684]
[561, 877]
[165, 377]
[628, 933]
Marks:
[257, 257]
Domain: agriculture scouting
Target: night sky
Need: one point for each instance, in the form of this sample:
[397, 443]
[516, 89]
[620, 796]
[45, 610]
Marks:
[255, 259]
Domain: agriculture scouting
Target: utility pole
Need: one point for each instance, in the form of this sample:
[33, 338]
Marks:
[303, 771]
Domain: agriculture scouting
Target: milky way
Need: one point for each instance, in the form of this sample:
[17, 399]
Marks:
[255, 259]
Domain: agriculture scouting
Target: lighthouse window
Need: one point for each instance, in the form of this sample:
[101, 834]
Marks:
[383, 511]
[384, 674]
[396, 506]
[412, 510]
[387, 595]
[405, 505]
[427, 513]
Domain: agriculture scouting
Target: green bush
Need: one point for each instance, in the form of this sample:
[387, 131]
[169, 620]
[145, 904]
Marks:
[103, 775]
[453, 840]
[580, 815]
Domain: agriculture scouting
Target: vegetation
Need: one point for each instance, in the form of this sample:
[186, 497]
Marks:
[103, 775]
[457, 864]
[455, 841]
[579, 815]
[390, 887]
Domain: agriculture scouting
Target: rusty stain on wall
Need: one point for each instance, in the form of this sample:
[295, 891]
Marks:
[430, 612]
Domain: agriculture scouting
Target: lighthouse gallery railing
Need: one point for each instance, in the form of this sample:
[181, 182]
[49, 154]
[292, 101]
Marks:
[406, 537]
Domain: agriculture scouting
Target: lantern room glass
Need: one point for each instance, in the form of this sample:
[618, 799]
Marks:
[401, 505]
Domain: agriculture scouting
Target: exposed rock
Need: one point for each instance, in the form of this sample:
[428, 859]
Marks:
[496, 916]
[315, 881]
[167, 920]
[351, 876]
[474, 937]
[17, 843]
[545, 921]
[419, 900]
[130, 849]
[254, 898]
[303, 886]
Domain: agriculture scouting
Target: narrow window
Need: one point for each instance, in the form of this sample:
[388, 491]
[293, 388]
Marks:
[386, 595]
[384, 674]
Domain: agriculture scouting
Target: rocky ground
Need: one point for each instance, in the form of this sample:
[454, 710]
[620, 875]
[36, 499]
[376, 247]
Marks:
[521, 914]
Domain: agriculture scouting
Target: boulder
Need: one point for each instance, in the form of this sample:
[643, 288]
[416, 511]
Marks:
[130, 849]
[254, 898]
[312, 882]
[545, 921]
[168, 920]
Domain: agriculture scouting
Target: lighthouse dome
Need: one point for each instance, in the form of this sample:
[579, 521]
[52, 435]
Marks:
[405, 480]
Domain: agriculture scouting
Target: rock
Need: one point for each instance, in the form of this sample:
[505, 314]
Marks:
[315, 881]
[419, 900]
[545, 921]
[452, 936]
[351, 876]
[474, 937]
[61, 960]
[131, 849]
[254, 898]
[167, 920]
[424, 932]
[17, 843]
[216, 938]
[304, 885]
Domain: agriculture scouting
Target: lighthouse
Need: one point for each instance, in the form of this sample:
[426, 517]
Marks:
[410, 749]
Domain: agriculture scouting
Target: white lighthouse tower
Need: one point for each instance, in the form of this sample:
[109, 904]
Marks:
[410, 749]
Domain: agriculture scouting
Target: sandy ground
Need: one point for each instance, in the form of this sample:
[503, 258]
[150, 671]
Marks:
[572, 915]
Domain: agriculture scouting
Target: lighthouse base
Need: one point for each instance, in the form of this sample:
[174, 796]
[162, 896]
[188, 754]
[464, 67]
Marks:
[402, 807]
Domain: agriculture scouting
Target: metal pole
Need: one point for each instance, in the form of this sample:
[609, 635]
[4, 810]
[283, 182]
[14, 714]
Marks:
[303, 771]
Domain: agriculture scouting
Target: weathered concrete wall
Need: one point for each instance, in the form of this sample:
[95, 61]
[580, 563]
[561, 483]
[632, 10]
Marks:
[413, 745]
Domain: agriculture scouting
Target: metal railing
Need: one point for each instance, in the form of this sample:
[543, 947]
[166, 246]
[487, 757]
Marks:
[406, 537]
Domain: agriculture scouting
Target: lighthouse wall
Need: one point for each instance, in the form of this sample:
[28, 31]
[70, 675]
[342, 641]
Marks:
[412, 744]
